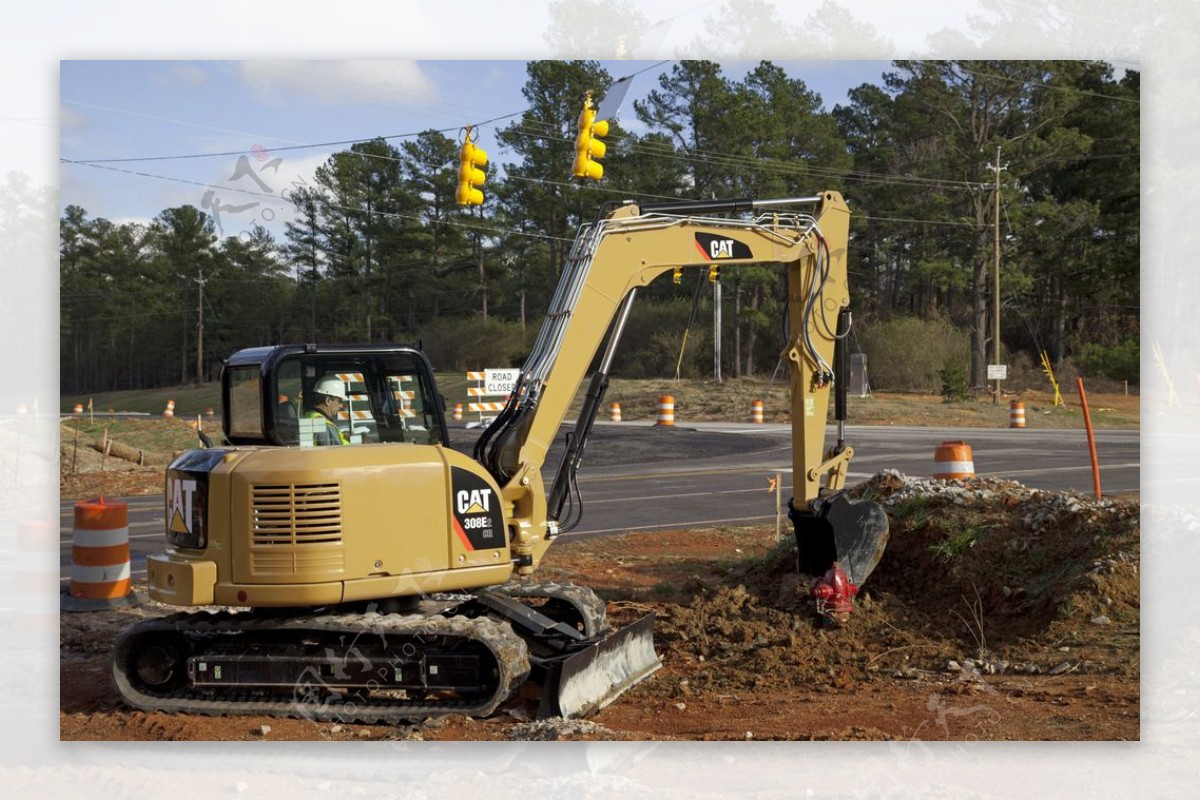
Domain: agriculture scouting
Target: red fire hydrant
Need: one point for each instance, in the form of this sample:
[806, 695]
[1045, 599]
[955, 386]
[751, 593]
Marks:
[834, 596]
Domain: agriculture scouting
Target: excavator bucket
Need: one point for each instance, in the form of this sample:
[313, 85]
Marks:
[851, 533]
[590, 679]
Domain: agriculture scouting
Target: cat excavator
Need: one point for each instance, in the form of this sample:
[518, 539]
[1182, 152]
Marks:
[390, 579]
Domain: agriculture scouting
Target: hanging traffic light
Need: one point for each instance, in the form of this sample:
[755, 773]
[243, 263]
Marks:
[714, 273]
[677, 276]
[470, 175]
[588, 147]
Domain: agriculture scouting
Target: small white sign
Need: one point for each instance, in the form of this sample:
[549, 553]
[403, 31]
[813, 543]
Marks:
[500, 382]
[997, 372]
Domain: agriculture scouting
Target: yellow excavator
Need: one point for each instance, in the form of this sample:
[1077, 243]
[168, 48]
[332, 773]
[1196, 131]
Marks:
[389, 579]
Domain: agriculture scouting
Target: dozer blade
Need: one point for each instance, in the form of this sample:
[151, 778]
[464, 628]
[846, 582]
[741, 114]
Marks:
[592, 678]
[852, 533]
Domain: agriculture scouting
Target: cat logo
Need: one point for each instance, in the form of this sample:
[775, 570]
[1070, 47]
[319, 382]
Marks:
[715, 247]
[474, 502]
[721, 248]
[476, 516]
[180, 492]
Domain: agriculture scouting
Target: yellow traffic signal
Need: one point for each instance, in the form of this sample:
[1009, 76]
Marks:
[714, 273]
[677, 275]
[588, 147]
[470, 177]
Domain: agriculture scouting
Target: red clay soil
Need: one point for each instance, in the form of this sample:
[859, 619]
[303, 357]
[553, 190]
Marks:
[997, 613]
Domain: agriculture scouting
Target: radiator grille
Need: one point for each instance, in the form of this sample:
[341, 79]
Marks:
[296, 527]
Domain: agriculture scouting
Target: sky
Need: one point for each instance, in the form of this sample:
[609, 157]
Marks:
[36, 39]
[247, 110]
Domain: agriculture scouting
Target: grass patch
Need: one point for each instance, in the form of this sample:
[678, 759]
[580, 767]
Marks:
[152, 435]
[954, 545]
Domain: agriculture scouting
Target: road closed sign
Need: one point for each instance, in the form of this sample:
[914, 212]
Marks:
[500, 382]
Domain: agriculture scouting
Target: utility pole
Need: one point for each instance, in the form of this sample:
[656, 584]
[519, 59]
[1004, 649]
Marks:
[996, 168]
[717, 329]
[200, 329]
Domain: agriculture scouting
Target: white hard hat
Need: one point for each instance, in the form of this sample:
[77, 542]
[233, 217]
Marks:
[331, 385]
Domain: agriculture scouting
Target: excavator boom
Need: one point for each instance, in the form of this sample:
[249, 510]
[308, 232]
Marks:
[609, 260]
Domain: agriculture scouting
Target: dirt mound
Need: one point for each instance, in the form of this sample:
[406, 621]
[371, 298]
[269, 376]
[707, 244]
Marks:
[989, 576]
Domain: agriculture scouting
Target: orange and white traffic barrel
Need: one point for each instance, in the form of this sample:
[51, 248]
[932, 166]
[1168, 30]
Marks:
[78, 409]
[953, 460]
[1016, 414]
[458, 411]
[33, 577]
[756, 411]
[170, 410]
[209, 411]
[100, 565]
[666, 411]
[614, 413]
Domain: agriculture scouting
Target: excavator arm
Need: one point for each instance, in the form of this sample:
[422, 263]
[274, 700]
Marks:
[608, 262]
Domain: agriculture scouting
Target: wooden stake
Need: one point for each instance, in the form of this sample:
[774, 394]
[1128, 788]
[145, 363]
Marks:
[777, 485]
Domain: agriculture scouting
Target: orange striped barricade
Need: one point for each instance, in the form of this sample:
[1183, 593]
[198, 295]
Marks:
[614, 413]
[490, 383]
[100, 565]
[1016, 414]
[476, 392]
[353, 418]
[756, 411]
[666, 411]
[953, 460]
[170, 410]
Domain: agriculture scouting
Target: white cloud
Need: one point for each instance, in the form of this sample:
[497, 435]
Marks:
[143, 221]
[182, 75]
[338, 82]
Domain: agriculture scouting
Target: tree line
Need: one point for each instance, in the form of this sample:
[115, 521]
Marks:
[377, 249]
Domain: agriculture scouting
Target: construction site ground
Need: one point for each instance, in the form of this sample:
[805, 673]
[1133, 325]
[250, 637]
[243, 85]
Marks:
[997, 613]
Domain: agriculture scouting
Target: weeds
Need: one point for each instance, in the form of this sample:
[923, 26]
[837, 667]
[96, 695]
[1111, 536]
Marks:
[975, 624]
[956, 544]
[912, 511]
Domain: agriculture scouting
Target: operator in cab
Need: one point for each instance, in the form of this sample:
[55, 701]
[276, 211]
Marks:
[330, 397]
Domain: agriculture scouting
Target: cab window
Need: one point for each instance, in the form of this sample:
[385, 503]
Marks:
[245, 409]
[389, 397]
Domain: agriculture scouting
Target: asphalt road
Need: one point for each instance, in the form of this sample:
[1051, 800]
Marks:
[638, 477]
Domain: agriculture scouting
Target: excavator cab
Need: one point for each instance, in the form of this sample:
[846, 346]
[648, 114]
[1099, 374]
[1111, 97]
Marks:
[389, 395]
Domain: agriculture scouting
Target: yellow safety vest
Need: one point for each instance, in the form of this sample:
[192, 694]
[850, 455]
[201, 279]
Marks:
[332, 435]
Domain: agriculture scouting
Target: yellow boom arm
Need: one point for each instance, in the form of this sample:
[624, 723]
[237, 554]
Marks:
[608, 262]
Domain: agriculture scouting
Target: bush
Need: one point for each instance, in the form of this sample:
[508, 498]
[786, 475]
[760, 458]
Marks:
[908, 353]
[653, 334]
[474, 344]
[1120, 362]
[954, 381]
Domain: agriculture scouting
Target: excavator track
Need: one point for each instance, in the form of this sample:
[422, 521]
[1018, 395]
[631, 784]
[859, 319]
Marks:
[588, 608]
[360, 668]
